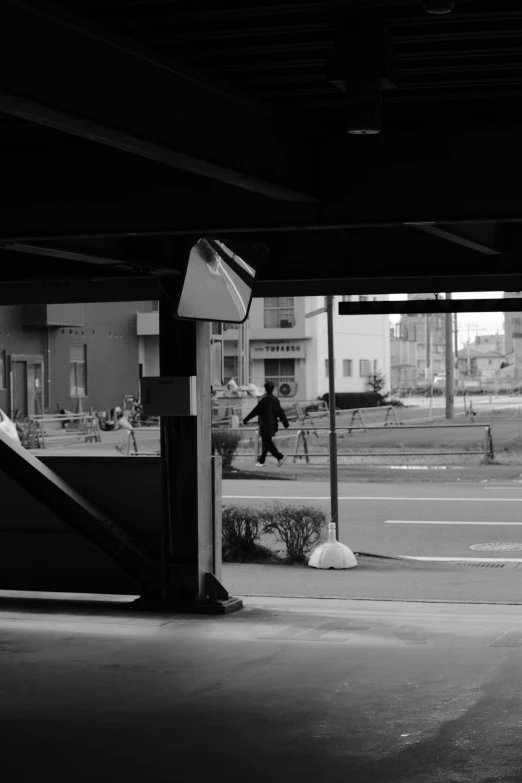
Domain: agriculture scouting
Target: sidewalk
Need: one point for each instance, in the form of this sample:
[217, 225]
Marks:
[378, 474]
[383, 579]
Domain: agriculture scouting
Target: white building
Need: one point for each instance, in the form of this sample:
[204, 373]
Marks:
[292, 351]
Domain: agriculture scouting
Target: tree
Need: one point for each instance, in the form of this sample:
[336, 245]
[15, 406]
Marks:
[377, 381]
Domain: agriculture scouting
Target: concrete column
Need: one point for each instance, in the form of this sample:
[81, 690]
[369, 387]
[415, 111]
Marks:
[187, 486]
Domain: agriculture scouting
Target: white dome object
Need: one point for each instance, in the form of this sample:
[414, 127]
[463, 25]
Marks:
[332, 554]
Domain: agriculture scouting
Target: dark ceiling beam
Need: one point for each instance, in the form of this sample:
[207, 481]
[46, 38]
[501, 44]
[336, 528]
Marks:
[106, 88]
[410, 177]
[55, 291]
[386, 285]
[443, 179]
[81, 255]
[390, 261]
[465, 236]
[103, 192]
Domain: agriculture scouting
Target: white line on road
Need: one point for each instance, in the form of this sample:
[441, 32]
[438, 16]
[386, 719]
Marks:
[434, 522]
[370, 497]
[503, 488]
[466, 559]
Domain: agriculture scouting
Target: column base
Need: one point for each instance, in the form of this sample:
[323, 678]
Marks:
[226, 606]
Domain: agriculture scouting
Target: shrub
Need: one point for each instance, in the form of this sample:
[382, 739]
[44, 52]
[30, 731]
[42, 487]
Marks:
[298, 528]
[241, 529]
[225, 442]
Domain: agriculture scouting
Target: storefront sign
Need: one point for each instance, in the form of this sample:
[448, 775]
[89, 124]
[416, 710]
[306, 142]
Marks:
[275, 348]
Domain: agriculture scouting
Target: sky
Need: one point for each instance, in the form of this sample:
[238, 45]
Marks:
[470, 323]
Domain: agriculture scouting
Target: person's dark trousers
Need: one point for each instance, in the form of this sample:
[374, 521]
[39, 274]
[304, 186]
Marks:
[269, 446]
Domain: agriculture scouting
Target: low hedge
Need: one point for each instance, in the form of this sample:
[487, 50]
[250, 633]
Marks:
[225, 442]
[298, 528]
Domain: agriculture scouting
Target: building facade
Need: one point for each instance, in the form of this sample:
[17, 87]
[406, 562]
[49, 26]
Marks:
[68, 357]
[418, 348]
[292, 351]
[512, 323]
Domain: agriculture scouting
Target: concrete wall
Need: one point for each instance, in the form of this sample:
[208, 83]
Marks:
[39, 552]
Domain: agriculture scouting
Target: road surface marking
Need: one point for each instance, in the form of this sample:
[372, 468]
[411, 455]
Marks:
[466, 559]
[370, 497]
[445, 522]
[502, 488]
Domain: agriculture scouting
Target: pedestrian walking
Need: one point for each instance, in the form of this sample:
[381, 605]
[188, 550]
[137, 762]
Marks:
[269, 412]
[121, 422]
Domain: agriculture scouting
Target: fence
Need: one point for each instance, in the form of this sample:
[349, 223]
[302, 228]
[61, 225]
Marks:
[301, 435]
[304, 412]
[41, 431]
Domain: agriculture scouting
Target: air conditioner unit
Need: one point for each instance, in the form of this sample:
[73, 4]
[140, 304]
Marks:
[287, 389]
[285, 324]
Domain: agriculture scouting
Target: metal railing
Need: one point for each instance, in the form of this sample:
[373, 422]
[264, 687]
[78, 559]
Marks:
[43, 430]
[302, 434]
[487, 451]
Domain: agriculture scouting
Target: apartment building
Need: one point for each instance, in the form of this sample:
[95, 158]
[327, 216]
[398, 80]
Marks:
[67, 356]
[418, 346]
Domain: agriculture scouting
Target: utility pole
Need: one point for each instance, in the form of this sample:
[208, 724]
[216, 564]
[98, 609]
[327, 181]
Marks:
[449, 364]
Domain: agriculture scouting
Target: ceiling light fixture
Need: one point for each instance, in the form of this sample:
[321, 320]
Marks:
[438, 7]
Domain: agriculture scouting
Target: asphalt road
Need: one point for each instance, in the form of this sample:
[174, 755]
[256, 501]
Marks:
[415, 520]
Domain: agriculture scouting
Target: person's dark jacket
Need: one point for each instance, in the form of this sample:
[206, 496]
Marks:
[268, 410]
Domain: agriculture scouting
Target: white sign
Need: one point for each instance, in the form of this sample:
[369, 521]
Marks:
[290, 349]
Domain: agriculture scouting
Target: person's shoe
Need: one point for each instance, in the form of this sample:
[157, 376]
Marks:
[280, 461]
[260, 464]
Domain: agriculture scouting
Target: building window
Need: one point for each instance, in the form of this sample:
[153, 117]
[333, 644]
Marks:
[347, 298]
[3, 370]
[230, 368]
[347, 368]
[363, 299]
[155, 306]
[279, 371]
[375, 366]
[365, 368]
[490, 361]
[279, 312]
[78, 370]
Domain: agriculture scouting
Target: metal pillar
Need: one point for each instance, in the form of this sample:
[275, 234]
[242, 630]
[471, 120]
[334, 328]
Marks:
[334, 501]
[449, 364]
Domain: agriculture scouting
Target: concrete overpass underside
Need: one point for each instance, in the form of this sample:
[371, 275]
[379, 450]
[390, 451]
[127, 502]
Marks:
[129, 130]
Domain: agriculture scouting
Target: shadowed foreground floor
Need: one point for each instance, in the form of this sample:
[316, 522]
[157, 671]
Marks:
[293, 690]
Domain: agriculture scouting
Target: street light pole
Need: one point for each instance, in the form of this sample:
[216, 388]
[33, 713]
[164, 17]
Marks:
[334, 500]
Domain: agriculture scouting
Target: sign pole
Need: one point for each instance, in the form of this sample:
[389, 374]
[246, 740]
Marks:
[334, 499]
[331, 553]
[449, 364]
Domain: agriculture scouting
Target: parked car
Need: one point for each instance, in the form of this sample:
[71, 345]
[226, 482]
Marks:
[7, 426]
